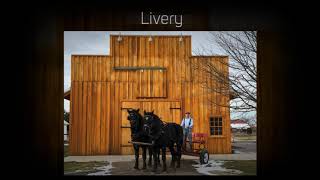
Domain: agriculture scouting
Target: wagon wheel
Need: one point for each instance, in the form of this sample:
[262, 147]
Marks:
[204, 156]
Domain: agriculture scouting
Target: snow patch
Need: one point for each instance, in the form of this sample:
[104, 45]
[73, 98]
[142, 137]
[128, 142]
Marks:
[214, 167]
[103, 170]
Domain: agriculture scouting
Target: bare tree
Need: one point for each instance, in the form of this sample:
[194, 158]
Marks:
[241, 81]
[250, 119]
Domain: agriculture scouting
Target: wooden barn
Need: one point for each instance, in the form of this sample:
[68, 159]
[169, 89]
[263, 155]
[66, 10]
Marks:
[150, 73]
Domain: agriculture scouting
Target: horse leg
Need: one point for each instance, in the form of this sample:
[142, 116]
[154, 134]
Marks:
[144, 157]
[173, 155]
[136, 152]
[155, 159]
[150, 156]
[178, 154]
[158, 157]
[164, 165]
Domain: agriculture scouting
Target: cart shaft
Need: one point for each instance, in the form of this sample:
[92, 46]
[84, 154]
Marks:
[140, 143]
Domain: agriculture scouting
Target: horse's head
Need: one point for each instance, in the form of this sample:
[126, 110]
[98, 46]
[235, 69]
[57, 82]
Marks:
[152, 123]
[135, 120]
[148, 116]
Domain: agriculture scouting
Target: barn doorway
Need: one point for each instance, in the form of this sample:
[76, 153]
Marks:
[168, 111]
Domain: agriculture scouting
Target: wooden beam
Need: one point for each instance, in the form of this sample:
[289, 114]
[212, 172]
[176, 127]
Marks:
[132, 68]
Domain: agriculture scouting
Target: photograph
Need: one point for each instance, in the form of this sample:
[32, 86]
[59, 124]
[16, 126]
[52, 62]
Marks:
[160, 102]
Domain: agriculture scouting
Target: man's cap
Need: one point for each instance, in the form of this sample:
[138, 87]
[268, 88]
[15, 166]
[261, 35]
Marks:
[187, 112]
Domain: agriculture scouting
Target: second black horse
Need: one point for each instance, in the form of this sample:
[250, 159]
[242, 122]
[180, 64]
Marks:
[163, 135]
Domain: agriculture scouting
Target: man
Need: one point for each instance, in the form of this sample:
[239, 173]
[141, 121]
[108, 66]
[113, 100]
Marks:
[187, 124]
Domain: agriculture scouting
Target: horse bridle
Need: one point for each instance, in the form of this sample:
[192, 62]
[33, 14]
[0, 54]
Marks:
[163, 125]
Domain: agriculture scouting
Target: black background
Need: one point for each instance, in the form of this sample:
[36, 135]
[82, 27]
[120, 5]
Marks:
[283, 138]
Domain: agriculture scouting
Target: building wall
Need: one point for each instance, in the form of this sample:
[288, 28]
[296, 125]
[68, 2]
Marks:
[65, 133]
[103, 88]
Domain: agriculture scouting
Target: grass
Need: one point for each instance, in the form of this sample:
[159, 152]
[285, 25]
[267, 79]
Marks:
[82, 168]
[248, 167]
[66, 151]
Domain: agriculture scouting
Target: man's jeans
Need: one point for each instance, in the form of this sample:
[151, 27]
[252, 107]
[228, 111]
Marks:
[187, 133]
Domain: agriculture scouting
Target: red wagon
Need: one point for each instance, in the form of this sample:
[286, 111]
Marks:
[199, 147]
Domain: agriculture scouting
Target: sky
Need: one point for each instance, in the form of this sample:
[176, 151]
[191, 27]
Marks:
[98, 42]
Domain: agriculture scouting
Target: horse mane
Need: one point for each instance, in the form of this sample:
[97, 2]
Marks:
[140, 120]
[155, 117]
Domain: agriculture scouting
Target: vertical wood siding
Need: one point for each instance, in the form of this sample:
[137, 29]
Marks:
[100, 94]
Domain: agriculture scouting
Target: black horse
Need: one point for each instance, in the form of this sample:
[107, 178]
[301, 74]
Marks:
[164, 135]
[137, 134]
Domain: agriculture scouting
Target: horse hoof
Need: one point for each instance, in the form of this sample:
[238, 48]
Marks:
[178, 166]
[144, 167]
[137, 168]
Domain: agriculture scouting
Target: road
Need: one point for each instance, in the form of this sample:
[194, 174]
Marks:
[245, 146]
